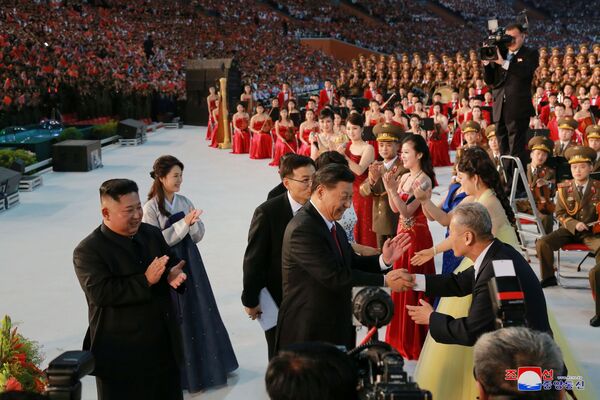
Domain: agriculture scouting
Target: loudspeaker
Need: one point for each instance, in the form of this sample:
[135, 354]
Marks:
[131, 129]
[200, 75]
[77, 156]
[9, 181]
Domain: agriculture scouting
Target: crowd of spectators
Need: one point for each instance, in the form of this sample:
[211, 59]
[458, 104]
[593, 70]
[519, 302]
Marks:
[127, 57]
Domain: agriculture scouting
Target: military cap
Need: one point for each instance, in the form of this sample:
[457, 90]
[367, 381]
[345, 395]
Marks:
[490, 131]
[541, 143]
[593, 132]
[580, 154]
[567, 123]
[388, 132]
[470, 126]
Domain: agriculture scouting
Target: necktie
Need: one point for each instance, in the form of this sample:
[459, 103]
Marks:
[335, 239]
[509, 56]
[580, 189]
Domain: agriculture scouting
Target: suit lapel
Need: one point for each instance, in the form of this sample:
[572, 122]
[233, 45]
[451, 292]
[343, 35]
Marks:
[315, 214]
[489, 257]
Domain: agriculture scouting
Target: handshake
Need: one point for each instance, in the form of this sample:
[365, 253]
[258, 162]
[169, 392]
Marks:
[400, 280]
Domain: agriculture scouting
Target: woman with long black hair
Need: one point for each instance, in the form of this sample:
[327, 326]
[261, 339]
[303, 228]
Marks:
[208, 353]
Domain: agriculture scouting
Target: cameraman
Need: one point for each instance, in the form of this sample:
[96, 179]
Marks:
[511, 348]
[510, 77]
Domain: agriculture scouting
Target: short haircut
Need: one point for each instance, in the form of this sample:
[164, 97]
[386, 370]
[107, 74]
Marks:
[330, 175]
[476, 218]
[330, 157]
[311, 371]
[326, 113]
[516, 26]
[355, 119]
[115, 188]
[293, 162]
[510, 348]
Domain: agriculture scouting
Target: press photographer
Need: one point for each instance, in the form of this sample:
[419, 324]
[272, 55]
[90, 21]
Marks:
[510, 75]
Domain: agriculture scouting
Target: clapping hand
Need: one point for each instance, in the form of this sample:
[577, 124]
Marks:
[176, 275]
[394, 248]
[420, 194]
[420, 314]
[193, 216]
[375, 170]
[156, 269]
[390, 182]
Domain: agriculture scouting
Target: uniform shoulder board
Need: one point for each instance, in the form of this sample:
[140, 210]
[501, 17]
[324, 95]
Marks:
[564, 184]
[596, 183]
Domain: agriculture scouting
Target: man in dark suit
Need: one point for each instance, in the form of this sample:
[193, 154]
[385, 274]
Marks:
[471, 236]
[510, 77]
[320, 268]
[126, 271]
[262, 261]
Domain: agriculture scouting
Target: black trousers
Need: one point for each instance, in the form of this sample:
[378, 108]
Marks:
[512, 138]
[162, 387]
[271, 336]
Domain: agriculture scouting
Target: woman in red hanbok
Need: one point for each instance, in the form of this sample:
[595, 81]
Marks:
[261, 143]
[360, 155]
[402, 333]
[241, 134]
[461, 117]
[308, 127]
[286, 137]
[584, 118]
[212, 100]
[437, 140]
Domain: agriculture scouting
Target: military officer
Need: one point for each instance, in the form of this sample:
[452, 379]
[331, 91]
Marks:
[576, 202]
[471, 132]
[385, 221]
[592, 133]
[542, 181]
[494, 150]
[566, 129]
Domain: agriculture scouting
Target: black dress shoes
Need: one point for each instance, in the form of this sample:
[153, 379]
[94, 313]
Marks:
[595, 321]
[548, 282]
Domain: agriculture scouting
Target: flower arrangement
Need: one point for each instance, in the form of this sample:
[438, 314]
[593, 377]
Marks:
[19, 360]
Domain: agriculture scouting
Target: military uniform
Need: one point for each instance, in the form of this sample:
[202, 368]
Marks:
[490, 132]
[385, 221]
[469, 126]
[573, 207]
[559, 147]
[593, 132]
[542, 195]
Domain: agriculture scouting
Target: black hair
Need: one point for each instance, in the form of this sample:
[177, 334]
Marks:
[420, 146]
[161, 168]
[311, 371]
[326, 113]
[355, 119]
[293, 162]
[331, 174]
[330, 157]
[476, 161]
[115, 188]
[516, 26]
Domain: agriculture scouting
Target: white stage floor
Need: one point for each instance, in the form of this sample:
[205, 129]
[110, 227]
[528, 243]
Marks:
[39, 290]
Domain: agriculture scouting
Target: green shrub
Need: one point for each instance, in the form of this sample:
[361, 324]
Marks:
[104, 131]
[71, 133]
[8, 157]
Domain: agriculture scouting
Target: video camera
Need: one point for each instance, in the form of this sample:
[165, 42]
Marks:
[381, 374]
[508, 299]
[498, 39]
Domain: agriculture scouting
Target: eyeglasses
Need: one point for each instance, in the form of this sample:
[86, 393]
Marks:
[305, 182]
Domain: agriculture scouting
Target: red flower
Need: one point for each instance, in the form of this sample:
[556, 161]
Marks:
[13, 385]
[21, 358]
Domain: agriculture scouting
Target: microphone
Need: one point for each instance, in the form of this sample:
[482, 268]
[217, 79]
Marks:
[424, 186]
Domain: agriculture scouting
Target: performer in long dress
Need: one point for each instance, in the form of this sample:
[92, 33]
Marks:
[248, 99]
[446, 370]
[261, 143]
[360, 155]
[212, 102]
[402, 332]
[286, 137]
[208, 353]
[308, 127]
[241, 134]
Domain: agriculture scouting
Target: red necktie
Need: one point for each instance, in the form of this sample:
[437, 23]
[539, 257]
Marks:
[335, 239]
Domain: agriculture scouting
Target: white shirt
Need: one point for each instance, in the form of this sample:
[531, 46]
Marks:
[420, 278]
[389, 164]
[330, 224]
[506, 63]
[294, 204]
